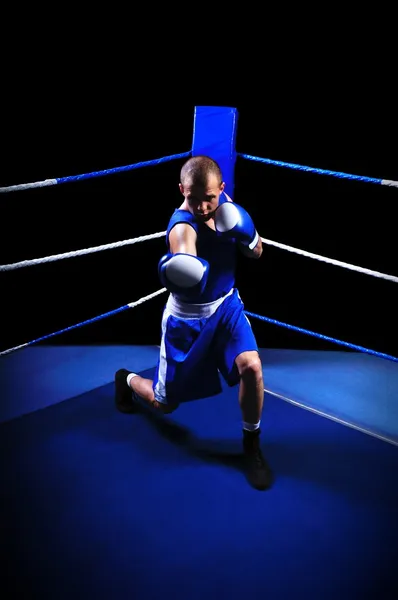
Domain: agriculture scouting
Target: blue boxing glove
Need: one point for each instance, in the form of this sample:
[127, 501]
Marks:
[183, 274]
[232, 220]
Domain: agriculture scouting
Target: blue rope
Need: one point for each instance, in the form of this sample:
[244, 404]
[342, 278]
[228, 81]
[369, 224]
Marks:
[279, 163]
[70, 328]
[148, 163]
[323, 337]
[157, 161]
[250, 314]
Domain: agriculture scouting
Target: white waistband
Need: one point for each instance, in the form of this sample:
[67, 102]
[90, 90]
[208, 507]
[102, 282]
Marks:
[184, 310]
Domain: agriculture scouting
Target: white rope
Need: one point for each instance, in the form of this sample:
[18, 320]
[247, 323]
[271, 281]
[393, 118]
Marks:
[145, 298]
[143, 238]
[331, 261]
[27, 186]
[389, 182]
[13, 349]
[54, 257]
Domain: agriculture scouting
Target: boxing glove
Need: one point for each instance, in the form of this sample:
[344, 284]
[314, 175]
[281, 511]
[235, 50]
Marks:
[183, 274]
[232, 220]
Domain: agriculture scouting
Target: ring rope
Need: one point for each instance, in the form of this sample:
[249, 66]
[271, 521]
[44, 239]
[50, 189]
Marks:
[87, 322]
[323, 337]
[72, 254]
[330, 261]
[161, 291]
[54, 257]
[48, 182]
[278, 163]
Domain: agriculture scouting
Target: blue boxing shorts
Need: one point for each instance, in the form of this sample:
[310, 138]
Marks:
[198, 343]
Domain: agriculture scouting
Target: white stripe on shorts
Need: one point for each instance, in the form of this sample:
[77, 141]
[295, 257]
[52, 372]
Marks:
[180, 310]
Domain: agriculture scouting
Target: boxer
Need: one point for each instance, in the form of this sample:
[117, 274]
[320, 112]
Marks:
[205, 334]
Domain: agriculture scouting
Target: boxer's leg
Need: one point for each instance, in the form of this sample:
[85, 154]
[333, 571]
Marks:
[240, 363]
[132, 390]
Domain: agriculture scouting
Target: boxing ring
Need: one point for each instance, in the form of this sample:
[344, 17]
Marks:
[96, 503]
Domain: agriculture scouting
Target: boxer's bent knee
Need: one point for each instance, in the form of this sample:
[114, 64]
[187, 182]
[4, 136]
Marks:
[249, 364]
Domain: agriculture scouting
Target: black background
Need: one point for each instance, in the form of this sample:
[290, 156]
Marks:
[86, 90]
[71, 130]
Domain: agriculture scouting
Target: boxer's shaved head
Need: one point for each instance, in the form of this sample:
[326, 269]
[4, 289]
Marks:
[198, 169]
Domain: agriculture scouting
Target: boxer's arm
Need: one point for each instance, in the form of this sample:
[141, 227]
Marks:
[182, 238]
[256, 252]
[181, 271]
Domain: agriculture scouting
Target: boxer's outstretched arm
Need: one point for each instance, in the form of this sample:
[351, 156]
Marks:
[181, 270]
[182, 238]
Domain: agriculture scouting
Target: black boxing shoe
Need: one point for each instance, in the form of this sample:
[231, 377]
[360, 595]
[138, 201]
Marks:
[257, 470]
[123, 393]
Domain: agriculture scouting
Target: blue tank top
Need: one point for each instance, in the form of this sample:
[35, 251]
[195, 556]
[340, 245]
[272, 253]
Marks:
[219, 251]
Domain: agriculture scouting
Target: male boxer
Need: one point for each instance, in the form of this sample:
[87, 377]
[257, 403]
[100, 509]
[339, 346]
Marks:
[205, 332]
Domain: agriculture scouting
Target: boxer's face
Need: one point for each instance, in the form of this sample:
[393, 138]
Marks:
[202, 198]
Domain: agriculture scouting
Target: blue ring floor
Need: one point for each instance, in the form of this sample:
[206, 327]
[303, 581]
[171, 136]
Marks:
[96, 503]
